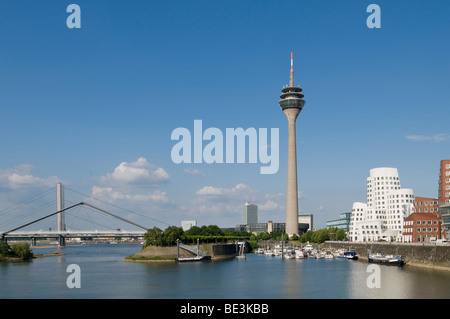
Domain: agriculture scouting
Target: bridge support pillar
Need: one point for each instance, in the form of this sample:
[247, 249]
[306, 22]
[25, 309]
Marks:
[33, 241]
[61, 240]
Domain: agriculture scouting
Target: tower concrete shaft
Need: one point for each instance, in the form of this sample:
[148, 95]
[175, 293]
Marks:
[61, 224]
[292, 103]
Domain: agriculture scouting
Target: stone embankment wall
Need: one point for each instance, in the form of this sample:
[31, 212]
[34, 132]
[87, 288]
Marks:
[220, 251]
[216, 251]
[423, 255]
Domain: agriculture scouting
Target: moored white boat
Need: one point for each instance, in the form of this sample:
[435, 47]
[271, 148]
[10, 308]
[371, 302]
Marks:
[269, 252]
[300, 254]
[289, 254]
[259, 251]
[328, 255]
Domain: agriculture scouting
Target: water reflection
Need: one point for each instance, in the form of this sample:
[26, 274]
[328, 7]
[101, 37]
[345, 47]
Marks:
[104, 275]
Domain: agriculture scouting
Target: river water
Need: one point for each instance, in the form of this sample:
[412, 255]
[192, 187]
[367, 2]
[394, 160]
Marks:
[103, 274]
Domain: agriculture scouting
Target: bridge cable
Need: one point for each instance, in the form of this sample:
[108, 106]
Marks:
[24, 202]
[90, 219]
[36, 210]
[130, 211]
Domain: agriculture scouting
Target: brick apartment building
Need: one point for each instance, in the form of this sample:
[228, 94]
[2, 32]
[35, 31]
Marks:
[426, 205]
[423, 227]
[444, 183]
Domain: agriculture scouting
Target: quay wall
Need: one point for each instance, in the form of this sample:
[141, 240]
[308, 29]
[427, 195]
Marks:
[421, 255]
[220, 251]
[216, 251]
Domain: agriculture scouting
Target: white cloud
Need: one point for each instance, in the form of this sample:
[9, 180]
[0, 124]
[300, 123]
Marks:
[239, 192]
[127, 181]
[20, 177]
[108, 194]
[127, 186]
[434, 138]
[213, 203]
[269, 206]
[140, 172]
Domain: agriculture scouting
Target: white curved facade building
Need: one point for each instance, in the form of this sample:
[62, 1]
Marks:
[387, 205]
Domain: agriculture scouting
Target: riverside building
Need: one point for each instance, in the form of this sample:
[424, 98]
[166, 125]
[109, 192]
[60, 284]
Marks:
[422, 228]
[381, 218]
[426, 205]
[444, 183]
[444, 193]
[342, 222]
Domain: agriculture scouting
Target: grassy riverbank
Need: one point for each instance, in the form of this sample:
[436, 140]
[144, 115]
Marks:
[155, 254]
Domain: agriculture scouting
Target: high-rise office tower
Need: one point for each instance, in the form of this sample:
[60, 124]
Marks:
[249, 214]
[292, 103]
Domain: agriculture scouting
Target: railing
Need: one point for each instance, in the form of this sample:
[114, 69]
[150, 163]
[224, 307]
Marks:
[194, 250]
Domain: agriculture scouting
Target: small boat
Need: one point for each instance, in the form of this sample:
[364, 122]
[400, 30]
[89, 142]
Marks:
[300, 254]
[351, 255]
[289, 254]
[259, 251]
[387, 260]
[196, 258]
[269, 252]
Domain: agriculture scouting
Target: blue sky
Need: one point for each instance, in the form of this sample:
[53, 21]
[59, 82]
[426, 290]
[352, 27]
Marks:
[95, 107]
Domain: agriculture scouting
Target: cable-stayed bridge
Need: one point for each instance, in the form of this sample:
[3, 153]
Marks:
[22, 231]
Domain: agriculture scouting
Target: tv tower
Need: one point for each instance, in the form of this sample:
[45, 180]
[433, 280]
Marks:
[292, 103]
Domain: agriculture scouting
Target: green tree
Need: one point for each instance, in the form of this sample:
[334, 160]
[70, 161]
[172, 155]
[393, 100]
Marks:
[5, 250]
[263, 236]
[171, 234]
[304, 238]
[193, 231]
[22, 251]
[211, 230]
[340, 234]
[154, 236]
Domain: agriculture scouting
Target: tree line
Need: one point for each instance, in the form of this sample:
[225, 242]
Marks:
[212, 233]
